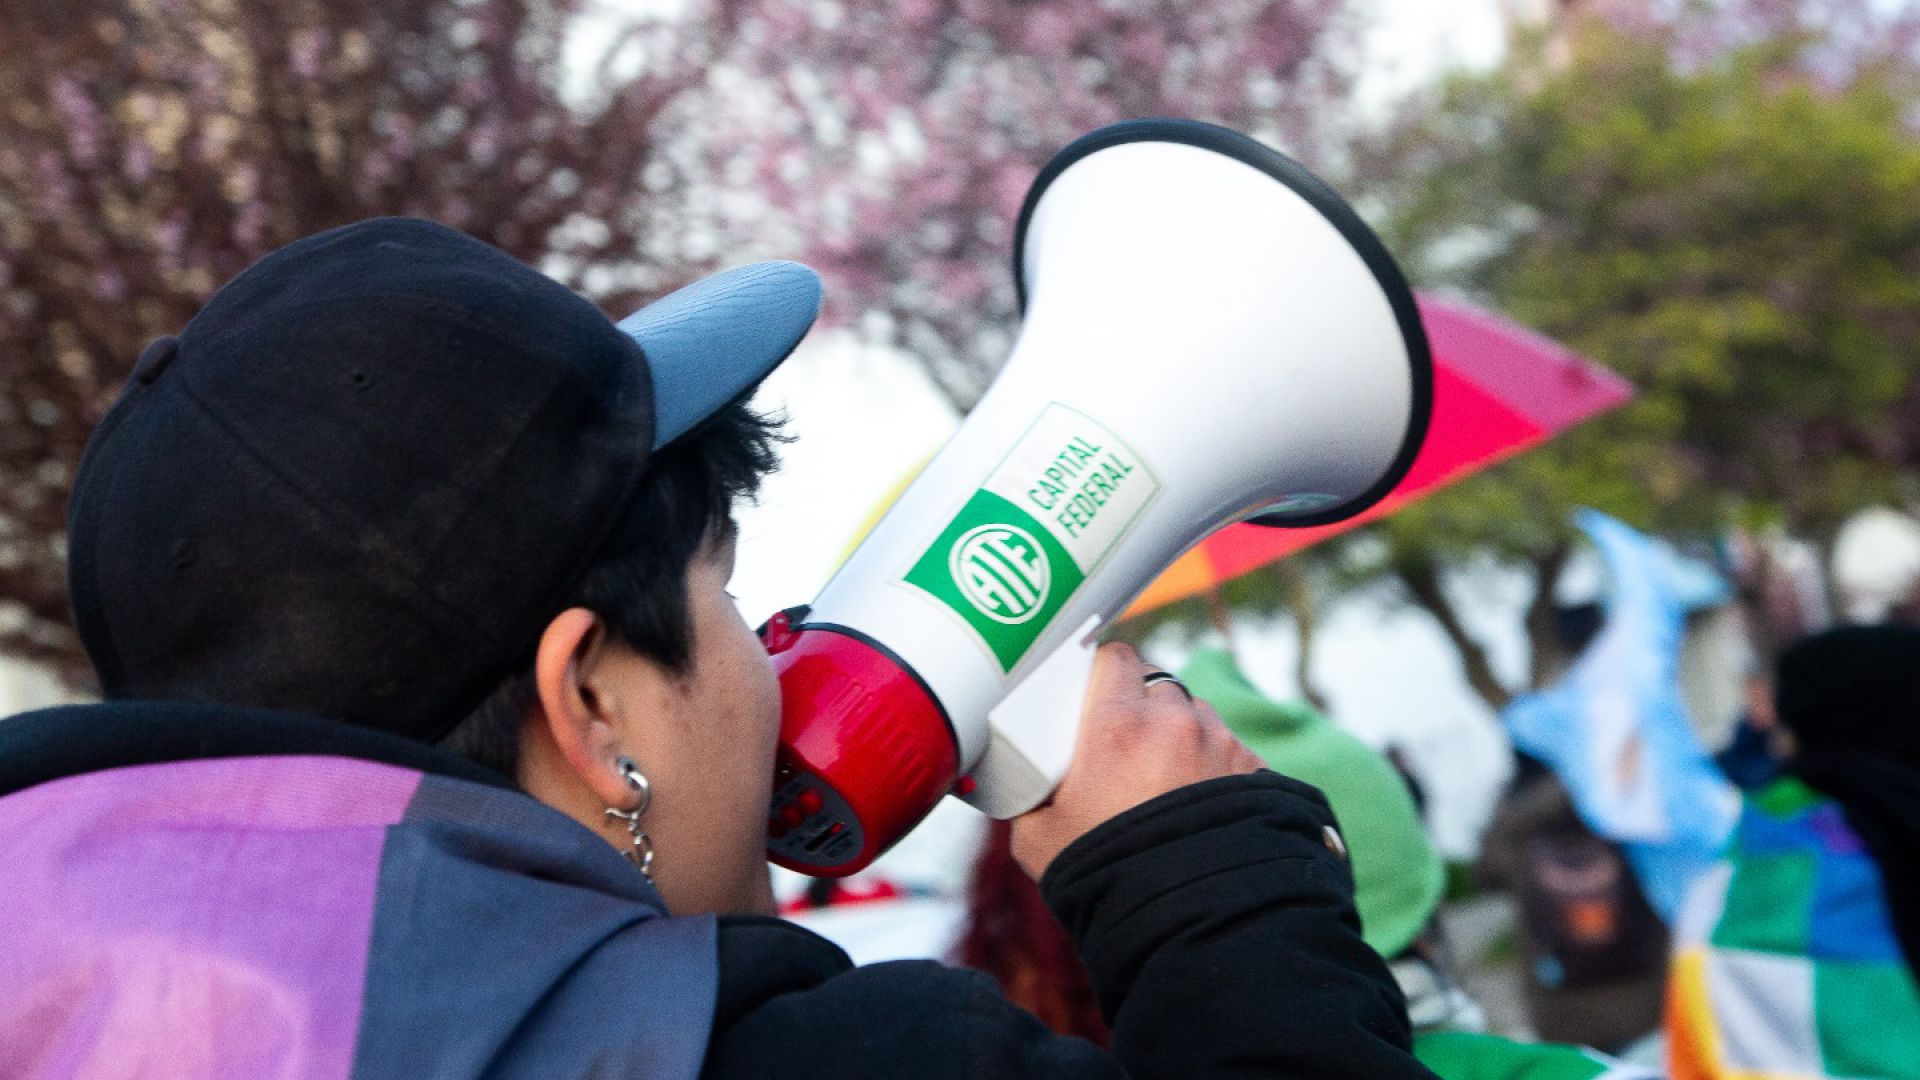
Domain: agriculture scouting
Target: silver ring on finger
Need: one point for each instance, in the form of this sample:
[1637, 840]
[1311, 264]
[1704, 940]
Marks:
[1154, 678]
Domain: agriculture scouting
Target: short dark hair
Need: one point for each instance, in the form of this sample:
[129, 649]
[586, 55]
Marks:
[639, 583]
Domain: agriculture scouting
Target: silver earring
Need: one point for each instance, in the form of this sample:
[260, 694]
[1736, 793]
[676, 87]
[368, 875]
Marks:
[641, 853]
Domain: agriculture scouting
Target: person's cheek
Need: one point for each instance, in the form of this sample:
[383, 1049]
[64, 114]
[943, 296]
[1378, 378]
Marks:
[756, 704]
[769, 687]
[759, 687]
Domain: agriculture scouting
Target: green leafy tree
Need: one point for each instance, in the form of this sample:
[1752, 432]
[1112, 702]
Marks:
[1714, 199]
[1729, 220]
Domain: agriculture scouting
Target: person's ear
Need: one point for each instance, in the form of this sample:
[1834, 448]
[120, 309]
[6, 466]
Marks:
[573, 707]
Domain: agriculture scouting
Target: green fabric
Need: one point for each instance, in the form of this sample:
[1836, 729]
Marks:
[1868, 1017]
[1767, 904]
[1398, 877]
[1458, 1055]
[1786, 797]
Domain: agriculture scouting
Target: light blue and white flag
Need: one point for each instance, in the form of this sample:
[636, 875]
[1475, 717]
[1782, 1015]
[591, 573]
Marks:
[1615, 728]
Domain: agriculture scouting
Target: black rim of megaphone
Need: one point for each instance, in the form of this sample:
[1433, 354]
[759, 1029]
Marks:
[1331, 206]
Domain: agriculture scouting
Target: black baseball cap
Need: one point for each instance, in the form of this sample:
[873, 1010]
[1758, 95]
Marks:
[361, 480]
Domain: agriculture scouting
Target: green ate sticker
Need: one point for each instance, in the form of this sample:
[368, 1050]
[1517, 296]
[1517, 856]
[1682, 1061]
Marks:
[1023, 543]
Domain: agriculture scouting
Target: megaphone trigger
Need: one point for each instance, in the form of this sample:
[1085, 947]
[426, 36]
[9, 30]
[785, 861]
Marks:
[780, 631]
[1031, 747]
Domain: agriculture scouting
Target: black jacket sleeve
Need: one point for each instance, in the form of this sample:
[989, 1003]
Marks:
[791, 1006]
[1218, 927]
[1218, 924]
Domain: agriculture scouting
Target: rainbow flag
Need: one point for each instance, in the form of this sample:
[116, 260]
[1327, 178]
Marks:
[1785, 962]
[1498, 389]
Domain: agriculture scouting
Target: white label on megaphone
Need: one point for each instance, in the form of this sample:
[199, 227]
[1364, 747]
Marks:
[1046, 517]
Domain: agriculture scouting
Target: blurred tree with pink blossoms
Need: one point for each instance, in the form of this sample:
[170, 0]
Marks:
[150, 149]
[897, 139]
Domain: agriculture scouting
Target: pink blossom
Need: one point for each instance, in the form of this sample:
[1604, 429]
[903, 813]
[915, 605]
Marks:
[1049, 32]
[483, 142]
[249, 225]
[988, 92]
[208, 80]
[304, 55]
[169, 239]
[54, 186]
[962, 285]
[400, 138]
[80, 117]
[136, 162]
[109, 285]
[917, 14]
[1145, 48]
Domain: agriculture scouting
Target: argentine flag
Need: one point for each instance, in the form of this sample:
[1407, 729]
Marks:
[1615, 729]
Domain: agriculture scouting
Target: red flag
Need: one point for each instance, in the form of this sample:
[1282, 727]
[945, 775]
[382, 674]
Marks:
[1498, 389]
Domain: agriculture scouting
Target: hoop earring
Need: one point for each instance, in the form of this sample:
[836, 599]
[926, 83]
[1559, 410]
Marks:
[641, 852]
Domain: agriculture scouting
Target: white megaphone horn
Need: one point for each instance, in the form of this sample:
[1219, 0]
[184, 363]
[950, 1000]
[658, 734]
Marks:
[1211, 335]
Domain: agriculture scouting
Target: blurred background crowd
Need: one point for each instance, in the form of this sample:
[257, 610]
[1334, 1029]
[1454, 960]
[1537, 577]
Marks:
[1533, 696]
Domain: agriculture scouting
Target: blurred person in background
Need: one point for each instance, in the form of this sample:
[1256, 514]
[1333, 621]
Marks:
[1794, 909]
[1755, 754]
[1593, 950]
[1593, 953]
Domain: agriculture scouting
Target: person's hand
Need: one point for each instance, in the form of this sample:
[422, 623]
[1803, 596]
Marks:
[1136, 742]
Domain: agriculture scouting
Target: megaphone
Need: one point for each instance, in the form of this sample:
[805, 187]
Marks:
[1210, 335]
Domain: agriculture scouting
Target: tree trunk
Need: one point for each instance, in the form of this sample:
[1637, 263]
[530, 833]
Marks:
[1421, 578]
[1299, 599]
[1755, 590]
[1546, 656]
[1221, 616]
[1824, 540]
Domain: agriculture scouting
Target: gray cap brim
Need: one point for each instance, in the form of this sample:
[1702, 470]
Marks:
[713, 341]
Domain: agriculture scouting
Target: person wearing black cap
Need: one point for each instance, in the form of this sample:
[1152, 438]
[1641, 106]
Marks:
[397, 533]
